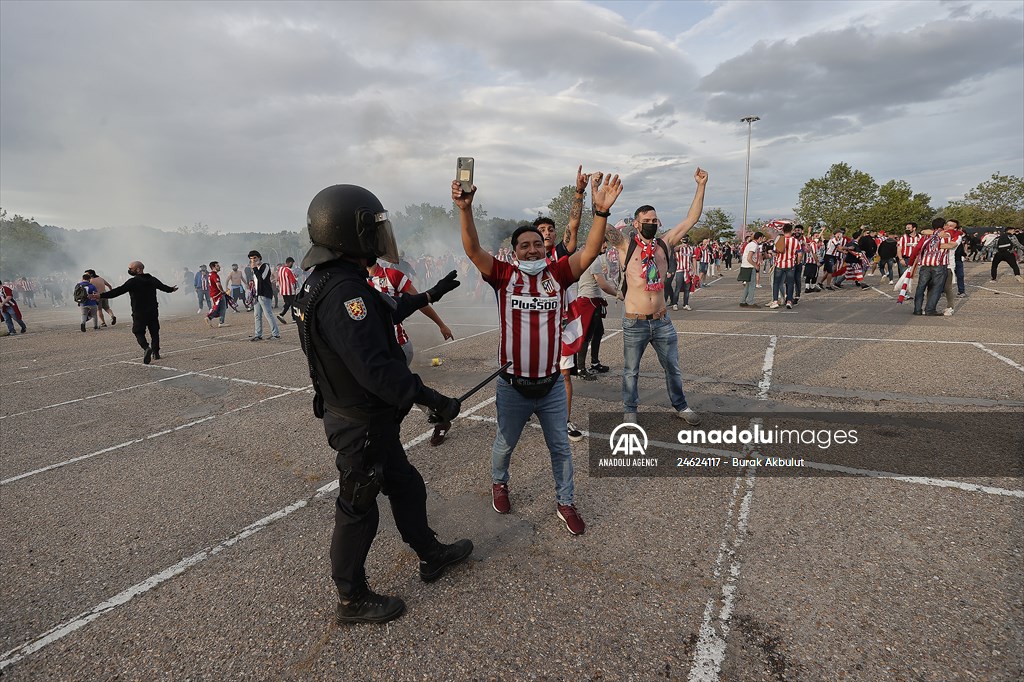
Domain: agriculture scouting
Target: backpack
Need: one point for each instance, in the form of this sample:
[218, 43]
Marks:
[629, 254]
[81, 293]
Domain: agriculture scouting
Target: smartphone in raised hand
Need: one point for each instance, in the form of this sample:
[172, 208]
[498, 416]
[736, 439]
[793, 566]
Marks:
[464, 173]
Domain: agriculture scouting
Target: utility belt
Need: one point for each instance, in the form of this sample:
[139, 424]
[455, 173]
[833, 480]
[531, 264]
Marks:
[532, 388]
[385, 417]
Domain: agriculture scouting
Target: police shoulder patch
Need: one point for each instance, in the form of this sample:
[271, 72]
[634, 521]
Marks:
[356, 308]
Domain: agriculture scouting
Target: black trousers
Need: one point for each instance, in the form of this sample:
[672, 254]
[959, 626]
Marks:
[139, 327]
[810, 272]
[798, 271]
[289, 303]
[363, 451]
[593, 341]
[1004, 255]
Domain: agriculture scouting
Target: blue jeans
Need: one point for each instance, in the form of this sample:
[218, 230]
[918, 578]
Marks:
[263, 304]
[748, 290]
[636, 335]
[932, 277]
[203, 295]
[782, 276]
[959, 270]
[553, 412]
[798, 271]
[886, 268]
[678, 285]
[10, 319]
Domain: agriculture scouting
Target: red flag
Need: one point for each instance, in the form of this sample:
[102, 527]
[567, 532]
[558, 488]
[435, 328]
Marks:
[578, 317]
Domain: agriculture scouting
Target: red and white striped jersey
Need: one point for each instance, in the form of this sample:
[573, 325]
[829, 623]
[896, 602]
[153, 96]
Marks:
[906, 244]
[391, 282]
[286, 280]
[684, 259]
[704, 254]
[931, 252]
[786, 257]
[811, 247]
[832, 248]
[530, 316]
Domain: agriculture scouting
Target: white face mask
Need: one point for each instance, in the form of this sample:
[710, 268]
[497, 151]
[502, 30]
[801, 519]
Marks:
[533, 267]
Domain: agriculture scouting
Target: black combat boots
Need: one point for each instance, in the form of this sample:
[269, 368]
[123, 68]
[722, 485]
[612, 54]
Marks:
[441, 556]
[369, 607]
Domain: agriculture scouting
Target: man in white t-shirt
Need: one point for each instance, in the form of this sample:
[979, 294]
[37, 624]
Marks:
[749, 263]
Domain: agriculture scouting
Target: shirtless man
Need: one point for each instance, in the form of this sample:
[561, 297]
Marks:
[234, 281]
[645, 320]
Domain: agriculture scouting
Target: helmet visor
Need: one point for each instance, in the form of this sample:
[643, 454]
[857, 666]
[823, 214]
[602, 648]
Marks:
[377, 237]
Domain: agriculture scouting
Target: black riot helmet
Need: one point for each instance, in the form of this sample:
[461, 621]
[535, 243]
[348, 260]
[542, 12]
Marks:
[348, 220]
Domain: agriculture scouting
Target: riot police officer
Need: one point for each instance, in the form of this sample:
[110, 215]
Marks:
[363, 390]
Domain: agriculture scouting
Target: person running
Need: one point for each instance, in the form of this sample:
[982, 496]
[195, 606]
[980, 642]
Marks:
[84, 295]
[530, 312]
[645, 322]
[104, 305]
[10, 310]
[288, 284]
[219, 297]
[1005, 244]
[141, 288]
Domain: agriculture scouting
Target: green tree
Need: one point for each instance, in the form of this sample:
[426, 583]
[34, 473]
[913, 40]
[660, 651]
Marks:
[197, 229]
[560, 209]
[718, 223]
[897, 205]
[26, 249]
[840, 198]
[997, 202]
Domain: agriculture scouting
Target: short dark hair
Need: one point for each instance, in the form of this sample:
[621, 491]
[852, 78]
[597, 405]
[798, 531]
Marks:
[214, 264]
[543, 220]
[938, 223]
[289, 259]
[954, 221]
[524, 228]
[256, 253]
[90, 271]
[758, 235]
[786, 229]
[86, 275]
[913, 225]
[643, 209]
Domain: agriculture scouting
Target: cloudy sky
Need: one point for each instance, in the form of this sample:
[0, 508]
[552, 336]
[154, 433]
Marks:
[236, 114]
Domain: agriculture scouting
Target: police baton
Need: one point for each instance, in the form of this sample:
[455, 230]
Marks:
[485, 382]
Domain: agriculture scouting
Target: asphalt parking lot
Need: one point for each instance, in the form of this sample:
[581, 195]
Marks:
[172, 521]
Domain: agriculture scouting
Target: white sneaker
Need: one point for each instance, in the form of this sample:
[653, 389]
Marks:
[675, 307]
[891, 282]
[224, 324]
[199, 312]
[629, 418]
[757, 286]
[991, 281]
[773, 304]
[689, 416]
[947, 312]
[687, 307]
[575, 435]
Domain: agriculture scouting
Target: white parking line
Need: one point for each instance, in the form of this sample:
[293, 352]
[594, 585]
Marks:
[66, 628]
[464, 338]
[996, 355]
[847, 338]
[766, 369]
[882, 292]
[151, 436]
[147, 383]
[996, 291]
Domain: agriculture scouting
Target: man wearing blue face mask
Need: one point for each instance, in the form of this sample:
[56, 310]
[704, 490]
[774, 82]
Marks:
[530, 310]
[645, 259]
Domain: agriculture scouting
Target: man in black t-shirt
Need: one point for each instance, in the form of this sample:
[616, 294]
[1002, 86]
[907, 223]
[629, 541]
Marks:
[263, 302]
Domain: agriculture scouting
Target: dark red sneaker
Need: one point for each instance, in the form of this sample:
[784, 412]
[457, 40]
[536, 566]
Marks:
[568, 513]
[499, 498]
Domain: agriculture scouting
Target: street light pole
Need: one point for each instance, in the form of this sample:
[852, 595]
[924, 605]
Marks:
[749, 120]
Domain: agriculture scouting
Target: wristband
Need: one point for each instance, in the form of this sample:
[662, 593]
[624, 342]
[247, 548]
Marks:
[603, 214]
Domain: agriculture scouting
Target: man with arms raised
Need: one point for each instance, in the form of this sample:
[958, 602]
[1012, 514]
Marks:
[645, 321]
[530, 313]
